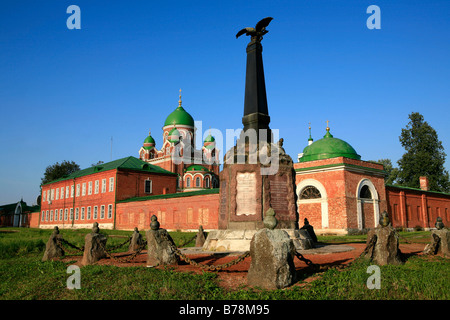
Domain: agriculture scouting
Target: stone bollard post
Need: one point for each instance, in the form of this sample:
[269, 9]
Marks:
[200, 240]
[272, 257]
[136, 240]
[52, 249]
[160, 246]
[310, 229]
[94, 244]
[440, 240]
[382, 243]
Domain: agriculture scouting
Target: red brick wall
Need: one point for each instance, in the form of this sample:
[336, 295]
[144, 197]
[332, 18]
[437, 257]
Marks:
[341, 185]
[132, 184]
[409, 208]
[126, 184]
[183, 213]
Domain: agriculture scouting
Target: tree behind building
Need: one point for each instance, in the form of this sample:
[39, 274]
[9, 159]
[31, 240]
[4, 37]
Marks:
[424, 156]
[59, 170]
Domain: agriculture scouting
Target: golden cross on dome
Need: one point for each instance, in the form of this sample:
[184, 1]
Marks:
[179, 101]
[328, 128]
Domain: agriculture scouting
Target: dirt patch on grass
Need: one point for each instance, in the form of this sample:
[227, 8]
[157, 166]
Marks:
[235, 277]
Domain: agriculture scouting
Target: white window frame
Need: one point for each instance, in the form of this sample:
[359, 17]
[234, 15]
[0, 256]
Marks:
[110, 208]
[111, 184]
[83, 189]
[103, 185]
[82, 213]
[72, 191]
[56, 193]
[88, 214]
[62, 193]
[90, 188]
[78, 190]
[95, 216]
[71, 214]
[96, 187]
[150, 183]
[102, 212]
[66, 212]
[60, 214]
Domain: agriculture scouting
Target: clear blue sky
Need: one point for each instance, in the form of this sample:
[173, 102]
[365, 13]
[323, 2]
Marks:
[64, 93]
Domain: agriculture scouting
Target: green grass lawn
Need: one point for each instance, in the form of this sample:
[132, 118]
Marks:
[23, 276]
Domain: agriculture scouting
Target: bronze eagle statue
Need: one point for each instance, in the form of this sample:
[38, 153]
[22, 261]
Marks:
[258, 31]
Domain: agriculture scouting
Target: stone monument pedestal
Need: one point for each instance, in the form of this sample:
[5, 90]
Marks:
[248, 191]
[239, 239]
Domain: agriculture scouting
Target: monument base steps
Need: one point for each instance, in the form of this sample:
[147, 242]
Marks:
[239, 240]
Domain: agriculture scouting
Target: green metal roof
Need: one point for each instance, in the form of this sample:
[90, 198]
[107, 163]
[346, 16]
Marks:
[329, 147]
[128, 163]
[179, 117]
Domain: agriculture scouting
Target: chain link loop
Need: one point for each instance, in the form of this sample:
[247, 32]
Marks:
[203, 266]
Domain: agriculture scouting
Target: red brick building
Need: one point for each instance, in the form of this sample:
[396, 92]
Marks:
[339, 193]
[90, 195]
[413, 208]
[196, 168]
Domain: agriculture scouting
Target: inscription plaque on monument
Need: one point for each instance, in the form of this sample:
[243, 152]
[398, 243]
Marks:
[245, 193]
[278, 192]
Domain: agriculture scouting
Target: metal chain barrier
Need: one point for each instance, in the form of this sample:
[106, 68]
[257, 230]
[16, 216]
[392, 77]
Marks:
[120, 245]
[302, 258]
[187, 242]
[203, 266]
[127, 259]
[62, 242]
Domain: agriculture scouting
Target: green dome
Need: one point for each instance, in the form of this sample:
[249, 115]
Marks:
[328, 147]
[149, 142]
[209, 142]
[174, 135]
[179, 117]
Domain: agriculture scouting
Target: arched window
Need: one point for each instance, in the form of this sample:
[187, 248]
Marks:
[365, 193]
[310, 192]
[197, 182]
[207, 182]
[188, 182]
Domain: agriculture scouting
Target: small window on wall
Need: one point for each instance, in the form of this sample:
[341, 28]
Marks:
[109, 211]
[188, 182]
[207, 182]
[197, 182]
[310, 192]
[365, 193]
[148, 186]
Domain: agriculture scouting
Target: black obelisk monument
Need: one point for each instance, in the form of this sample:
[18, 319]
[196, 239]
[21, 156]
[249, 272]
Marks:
[256, 113]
